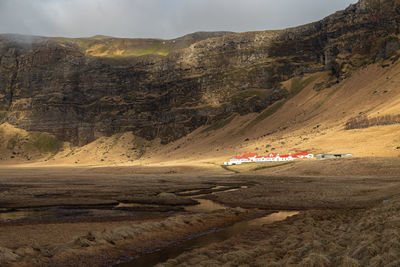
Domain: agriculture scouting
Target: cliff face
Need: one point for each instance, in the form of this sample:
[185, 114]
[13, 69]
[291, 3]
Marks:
[78, 91]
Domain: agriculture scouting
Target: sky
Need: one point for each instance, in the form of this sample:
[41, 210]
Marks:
[165, 19]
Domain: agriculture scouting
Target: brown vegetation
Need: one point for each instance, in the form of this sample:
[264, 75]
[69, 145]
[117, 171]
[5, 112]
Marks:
[88, 241]
[99, 248]
[368, 237]
[364, 121]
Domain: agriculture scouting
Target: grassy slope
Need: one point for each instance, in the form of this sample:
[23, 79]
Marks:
[17, 145]
[311, 120]
[104, 46]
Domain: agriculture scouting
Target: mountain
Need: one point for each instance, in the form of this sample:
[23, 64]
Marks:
[82, 89]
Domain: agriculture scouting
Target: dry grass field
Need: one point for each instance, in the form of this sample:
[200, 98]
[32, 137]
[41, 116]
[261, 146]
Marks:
[343, 219]
[346, 237]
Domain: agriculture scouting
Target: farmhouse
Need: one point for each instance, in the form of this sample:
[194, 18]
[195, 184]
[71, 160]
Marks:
[285, 158]
[253, 157]
[303, 155]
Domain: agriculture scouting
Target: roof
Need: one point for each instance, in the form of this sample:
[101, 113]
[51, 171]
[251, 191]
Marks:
[273, 155]
[239, 157]
[284, 156]
[249, 155]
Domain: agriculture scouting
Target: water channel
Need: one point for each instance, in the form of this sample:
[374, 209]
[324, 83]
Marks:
[153, 258]
[160, 256]
[205, 205]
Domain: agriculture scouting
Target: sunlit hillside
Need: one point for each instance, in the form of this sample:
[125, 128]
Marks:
[105, 46]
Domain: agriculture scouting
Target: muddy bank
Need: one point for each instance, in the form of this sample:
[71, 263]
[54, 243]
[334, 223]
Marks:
[310, 193]
[115, 243]
[70, 187]
[86, 187]
[102, 239]
[109, 245]
[212, 237]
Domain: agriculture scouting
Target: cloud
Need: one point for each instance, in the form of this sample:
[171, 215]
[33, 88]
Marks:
[157, 18]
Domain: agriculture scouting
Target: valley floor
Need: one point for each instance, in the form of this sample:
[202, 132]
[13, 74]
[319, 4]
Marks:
[65, 216]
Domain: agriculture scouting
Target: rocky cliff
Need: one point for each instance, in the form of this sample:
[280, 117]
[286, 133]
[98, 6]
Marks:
[81, 89]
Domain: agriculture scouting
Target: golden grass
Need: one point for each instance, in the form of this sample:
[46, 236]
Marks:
[348, 238]
[138, 237]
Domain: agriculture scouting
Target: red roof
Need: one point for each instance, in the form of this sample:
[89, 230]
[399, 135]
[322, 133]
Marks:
[239, 157]
[272, 155]
[260, 157]
[284, 156]
[249, 155]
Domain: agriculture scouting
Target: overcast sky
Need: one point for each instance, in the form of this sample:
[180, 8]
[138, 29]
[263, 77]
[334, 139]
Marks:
[157, 18]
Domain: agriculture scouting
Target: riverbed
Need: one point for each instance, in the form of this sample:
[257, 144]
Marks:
[89, 216]
[205, 239]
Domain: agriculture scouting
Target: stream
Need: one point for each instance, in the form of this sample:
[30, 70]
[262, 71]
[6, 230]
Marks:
[37, 214]
[205, 239]
[158, 256]
[211, 237]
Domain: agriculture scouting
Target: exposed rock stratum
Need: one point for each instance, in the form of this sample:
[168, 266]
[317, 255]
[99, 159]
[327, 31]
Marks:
[82, 89]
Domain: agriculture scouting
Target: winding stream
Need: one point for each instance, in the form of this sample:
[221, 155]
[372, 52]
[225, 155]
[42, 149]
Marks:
[159, 256]
[214, 236]
[164, 255]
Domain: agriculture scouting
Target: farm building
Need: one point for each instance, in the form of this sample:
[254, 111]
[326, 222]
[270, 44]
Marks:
[334, 156]
[253, 157]
[303, 155]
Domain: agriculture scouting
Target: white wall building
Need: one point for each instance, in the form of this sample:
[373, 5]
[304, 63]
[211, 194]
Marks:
[272, 157]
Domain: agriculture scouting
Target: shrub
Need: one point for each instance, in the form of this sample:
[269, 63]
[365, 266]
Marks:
[45, 143]
[363, 121]
[13, 141]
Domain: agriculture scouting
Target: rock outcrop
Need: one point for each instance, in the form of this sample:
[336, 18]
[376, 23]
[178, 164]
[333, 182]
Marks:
[77, 91]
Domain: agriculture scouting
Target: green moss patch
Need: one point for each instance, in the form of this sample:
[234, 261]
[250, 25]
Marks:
[219, 124]
[45, 143]
[299, 84]
[266, 113]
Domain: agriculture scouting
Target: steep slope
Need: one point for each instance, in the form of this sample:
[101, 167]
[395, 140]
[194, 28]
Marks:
[18, 146]
[310, 121]
[80, 91]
